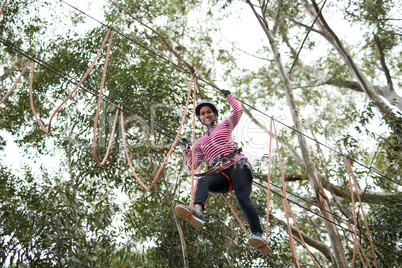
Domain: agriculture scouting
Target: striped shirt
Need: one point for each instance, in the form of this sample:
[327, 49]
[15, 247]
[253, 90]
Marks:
[220, 140]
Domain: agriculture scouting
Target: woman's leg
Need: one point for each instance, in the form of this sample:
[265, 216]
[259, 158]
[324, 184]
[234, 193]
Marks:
[242, 179]
[216, 183]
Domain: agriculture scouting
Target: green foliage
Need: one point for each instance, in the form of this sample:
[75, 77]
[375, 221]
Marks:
[384, 223]
[47, 224]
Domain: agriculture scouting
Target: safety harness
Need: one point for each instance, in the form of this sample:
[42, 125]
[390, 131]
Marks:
[217, 164]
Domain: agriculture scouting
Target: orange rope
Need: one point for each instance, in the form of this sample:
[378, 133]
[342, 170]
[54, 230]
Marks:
[292, 243]
[168, 154]
[31, 98]
[269, 179]
[193, 182]
[110, 141]
[2, 8]
[268, 194]
[235, 214]
[361, 208]
[72, 92]
[354, 215]
[289, 211]
[97, 111]
[301, 237]
[284, 202]
[360, 248]
[18, 79]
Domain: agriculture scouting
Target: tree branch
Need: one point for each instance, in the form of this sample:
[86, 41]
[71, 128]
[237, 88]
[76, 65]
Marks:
[383, 63]
[374, 197]
[277, 17]
[333, 39]
[350, 84]
[296, 22]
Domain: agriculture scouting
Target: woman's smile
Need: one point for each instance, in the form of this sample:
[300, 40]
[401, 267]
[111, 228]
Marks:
[207, 115]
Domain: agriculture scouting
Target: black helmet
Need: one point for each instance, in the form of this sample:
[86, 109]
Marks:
[202, 103]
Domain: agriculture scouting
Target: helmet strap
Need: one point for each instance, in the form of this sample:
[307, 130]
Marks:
[209, 128]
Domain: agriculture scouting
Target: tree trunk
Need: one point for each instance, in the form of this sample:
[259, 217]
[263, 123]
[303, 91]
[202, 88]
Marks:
[322, 199]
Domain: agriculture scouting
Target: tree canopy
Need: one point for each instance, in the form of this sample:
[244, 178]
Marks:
[329, 74]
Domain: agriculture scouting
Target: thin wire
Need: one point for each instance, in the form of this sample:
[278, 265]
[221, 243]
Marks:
[215, 87]
[305, 38]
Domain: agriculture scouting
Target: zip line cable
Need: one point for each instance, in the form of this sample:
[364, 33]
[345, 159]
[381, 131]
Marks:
[215, 87]
[113, 102]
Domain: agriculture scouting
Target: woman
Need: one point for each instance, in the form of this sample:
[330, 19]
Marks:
[235, 174]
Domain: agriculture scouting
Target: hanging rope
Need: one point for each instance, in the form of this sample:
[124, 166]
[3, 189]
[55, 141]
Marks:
[2, 8]
[360, 248]
[18, 79]
[285, 206]
[361, 208]
[301, 236]
[269, 178]
[72, 92]
[354, 217]
[236, 216]
[110, 141]
[289, 211]
[97, 111]
[193, 85]
[168, 154]
[268, 193]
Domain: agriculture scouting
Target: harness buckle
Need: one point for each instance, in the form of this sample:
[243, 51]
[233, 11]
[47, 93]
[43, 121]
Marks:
[228, 157]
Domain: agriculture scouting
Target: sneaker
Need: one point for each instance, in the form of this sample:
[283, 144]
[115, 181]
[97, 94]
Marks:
[258, 242]
[197, 220]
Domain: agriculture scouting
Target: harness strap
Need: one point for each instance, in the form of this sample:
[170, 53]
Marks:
[218, 161]
[230, 181]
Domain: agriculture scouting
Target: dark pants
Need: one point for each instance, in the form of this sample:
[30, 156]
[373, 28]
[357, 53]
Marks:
[241, 176]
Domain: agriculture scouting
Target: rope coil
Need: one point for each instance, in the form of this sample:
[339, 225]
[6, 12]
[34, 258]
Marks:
[47, 130]
[97, 111]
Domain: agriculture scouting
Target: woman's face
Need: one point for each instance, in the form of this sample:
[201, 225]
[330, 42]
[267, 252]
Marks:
[207, 115]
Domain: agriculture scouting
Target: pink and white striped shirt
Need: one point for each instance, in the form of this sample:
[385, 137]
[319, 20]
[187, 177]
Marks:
[220, 140]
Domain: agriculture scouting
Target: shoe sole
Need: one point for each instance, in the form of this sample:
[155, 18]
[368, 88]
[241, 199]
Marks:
[265, 250]
[185, 214]
[256, 243]
[260, 245]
